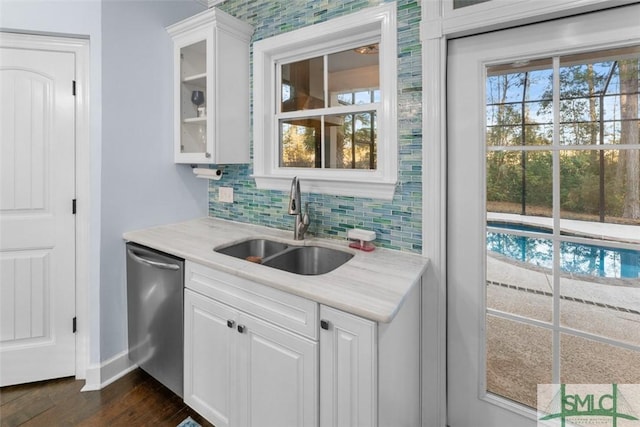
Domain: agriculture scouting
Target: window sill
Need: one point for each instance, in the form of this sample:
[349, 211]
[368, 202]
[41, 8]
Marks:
[359, 188]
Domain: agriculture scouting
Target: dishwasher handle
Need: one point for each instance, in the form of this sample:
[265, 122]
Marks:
[151, 263]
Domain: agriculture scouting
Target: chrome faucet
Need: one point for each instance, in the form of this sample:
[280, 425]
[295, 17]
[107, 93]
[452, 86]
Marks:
[302, 220]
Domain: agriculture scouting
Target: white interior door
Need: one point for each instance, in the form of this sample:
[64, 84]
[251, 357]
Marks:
[512, 326]
[37, 225]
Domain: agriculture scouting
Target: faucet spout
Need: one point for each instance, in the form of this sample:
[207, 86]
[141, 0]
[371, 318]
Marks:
[294, 197]
[302, 220]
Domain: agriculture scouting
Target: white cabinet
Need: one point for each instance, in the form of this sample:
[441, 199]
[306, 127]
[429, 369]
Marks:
[370, 372]
[257, 356]
[210, 358]
[245, 370]
[278, 376]
[348, 363]
[211, 93]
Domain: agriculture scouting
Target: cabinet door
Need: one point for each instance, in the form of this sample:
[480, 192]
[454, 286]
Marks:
[193, 96]
[210, 360]
[348, 370]
[279, 381]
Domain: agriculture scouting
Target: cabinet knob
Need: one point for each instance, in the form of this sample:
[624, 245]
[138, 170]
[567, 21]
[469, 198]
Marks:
[324, 324]
[241, 328]
[230, 323]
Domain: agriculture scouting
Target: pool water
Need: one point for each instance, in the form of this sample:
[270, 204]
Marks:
[575, 258]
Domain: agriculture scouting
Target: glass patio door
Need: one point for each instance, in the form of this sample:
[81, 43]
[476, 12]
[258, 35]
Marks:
[543, 214]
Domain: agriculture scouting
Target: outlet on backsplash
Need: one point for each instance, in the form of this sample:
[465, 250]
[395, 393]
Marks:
[225, 194]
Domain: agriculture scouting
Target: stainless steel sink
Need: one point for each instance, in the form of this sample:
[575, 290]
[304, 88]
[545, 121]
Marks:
[306, 260]
[309, 260]
[255, 250]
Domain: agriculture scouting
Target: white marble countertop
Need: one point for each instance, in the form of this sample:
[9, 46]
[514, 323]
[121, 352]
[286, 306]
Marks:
[372, 284]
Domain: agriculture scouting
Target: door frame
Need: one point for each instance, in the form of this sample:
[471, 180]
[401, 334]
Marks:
[439, 23]
[80, 48]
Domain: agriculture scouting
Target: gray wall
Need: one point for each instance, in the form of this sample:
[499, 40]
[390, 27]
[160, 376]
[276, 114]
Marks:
[141, 186]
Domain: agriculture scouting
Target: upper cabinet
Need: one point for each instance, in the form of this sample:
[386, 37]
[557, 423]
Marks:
[211, 93]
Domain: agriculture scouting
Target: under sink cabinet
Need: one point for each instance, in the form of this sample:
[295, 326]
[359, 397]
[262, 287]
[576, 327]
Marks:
[258, 356]
[211, 88]
[251, 352]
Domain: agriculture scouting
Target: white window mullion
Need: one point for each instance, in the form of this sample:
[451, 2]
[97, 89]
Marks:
[556, 220]
[277, 102]
[327, 103]
[322, 156]
[325, 80]
[342, 109]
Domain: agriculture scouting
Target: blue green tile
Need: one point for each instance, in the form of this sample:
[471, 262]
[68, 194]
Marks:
[397, 223]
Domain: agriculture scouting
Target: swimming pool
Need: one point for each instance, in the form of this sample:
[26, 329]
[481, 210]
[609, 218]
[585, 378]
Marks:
[575, 258]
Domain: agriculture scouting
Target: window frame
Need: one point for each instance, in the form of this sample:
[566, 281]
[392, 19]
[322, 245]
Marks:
[375, 24]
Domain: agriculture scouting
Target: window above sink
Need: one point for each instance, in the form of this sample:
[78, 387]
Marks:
[325, 106]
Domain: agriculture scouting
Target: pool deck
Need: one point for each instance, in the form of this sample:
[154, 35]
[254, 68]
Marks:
[503, 272]
[598, 230]
[588, 307]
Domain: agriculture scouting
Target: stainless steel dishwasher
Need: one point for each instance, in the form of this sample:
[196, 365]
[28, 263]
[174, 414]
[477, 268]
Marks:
[155, 282]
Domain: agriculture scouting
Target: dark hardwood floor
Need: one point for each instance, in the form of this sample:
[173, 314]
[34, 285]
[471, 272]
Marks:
[134, 400]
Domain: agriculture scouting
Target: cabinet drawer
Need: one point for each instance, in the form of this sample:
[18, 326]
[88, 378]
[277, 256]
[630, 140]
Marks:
[288, 311]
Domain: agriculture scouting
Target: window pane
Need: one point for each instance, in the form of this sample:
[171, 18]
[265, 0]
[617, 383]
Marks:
[519, 109]
[354, 77]
[601, 186]
[599, 98]
[300, 143]
[584, 361]
[514, 286]
[350, 141]
[509, 192]
[345, 98]
[603, 307]
[518, 359]
[302, 85]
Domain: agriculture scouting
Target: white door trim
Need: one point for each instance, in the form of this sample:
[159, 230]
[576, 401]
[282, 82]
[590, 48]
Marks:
[80, 48]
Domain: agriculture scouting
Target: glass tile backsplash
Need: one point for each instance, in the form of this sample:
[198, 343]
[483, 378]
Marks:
[397, 223]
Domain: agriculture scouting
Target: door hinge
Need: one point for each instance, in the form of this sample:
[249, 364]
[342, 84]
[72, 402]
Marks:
[73, 206]
[75, 328]
[73, 88]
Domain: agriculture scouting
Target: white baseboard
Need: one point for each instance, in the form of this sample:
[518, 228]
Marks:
[101, 375]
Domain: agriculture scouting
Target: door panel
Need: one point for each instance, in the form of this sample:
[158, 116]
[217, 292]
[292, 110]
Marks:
[25, 279]
[210, 358]
[37, 239]
[349, 385]
[280, 376]
[517, 316]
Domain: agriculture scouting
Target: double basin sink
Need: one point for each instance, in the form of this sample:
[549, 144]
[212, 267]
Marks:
[305, 260]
